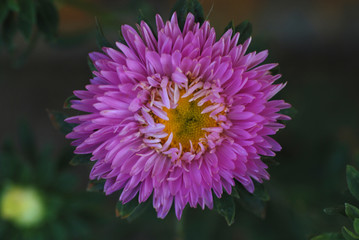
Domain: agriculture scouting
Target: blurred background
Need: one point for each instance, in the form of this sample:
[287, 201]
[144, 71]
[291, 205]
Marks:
[316, 44]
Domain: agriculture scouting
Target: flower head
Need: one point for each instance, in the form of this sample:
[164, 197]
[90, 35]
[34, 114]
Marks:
[179, 116]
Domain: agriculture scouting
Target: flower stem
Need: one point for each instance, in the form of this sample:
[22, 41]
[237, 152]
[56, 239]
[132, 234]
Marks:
[179, 228]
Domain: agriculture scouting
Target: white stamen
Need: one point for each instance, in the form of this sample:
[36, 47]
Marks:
[148, 117]
[192, 89]
[167, 143]
[140, 118]
[191, 144]
[156, 140]
[157, 135]
[210, 108]
[165, 98]
[176, 94]
[216, 111]
[213, 129]
[160, 113]
[199, 94]
[203, 100]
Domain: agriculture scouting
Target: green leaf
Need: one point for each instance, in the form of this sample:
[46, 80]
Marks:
[245, 30]
[335, 210]
[261, 192]
[91, 65]
[125, 211]
[351, 211]
[100, 37]
[356, 225]
[4, 9]
[349, 235]
[141, 17]
[230, 25]
[183, 7]
[235, 193]
[328, 236]
[57, 119]
[96, 185]
[47, 18]
[225, 206]
[13, 5]
[27, 17]
[67, 103]
[353, 181]
[131, 210]
[79, 159]
[252, 202]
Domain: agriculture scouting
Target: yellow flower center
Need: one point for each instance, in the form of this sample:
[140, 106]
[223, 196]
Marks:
[186, 122]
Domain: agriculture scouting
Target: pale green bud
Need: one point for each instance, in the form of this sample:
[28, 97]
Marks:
[22, 205]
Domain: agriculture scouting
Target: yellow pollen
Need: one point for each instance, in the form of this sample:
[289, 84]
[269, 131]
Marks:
[186, 122]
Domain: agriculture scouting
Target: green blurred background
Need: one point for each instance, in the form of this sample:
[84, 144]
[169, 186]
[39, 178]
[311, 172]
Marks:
[316, 45]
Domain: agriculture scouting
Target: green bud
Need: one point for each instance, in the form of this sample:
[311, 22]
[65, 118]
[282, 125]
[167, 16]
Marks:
[22, 205]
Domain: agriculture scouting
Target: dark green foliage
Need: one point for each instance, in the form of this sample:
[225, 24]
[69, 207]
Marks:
[244, 29]
[329, 236]
[13, 5]
[57, 119]
[91, 65]
[335, 210]
[47, 18]
[132, 209]
[183, 7]
[96, 185]
[67, 213]
[256, 202]
[100, 37]
[141, 17]
[79, 159]
[4, 9]
[8, 30]
[353, 181]
[356, 225]
[230, 25]
[225, 206]
[67, 103]
[351, 211]
[27, 17]
[349, 235]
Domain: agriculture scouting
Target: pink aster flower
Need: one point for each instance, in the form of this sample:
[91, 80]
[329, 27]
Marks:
[180, 116]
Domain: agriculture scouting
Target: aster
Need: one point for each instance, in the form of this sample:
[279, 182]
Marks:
[178, 115]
